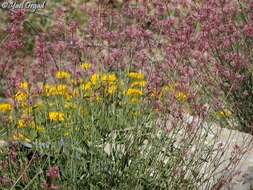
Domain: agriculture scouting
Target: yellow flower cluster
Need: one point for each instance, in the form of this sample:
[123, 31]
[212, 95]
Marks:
[5, 107]
[57, 90]
[181, 96]
[24, 85]
[21, 97]
[134, 92]
[138, 84]
[86, 66]
[62, 75]
[95, 79]
[108, 81]
[112, 89]
[56, 116]
[136, 76]
[224, 114]
[87, 86]
[22, 123]
[109, 78]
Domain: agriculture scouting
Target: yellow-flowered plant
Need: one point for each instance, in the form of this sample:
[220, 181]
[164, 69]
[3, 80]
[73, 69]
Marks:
[224, 113]
[62, 75]
[87, 86]
[136, 75]
[58, 90]
[181, 97]
[86, 66]
[56, 116]
[109, 78]
[134, 92]
[112, 89]
[5, 107]
[24, 85]
[95, 79]
[21, 97]
[138, 84]
[22, 123]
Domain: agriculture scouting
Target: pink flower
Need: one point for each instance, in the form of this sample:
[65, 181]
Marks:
[248, 30]
[53, 172]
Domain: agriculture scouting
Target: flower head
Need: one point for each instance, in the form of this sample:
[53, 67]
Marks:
[181, 96]
[134, 92]
[62, 75]
[112, 89]
[136, 76]
[53, 172]
[87, 86]
[137, 84]
[24, 85]
[21, 97]
[109, 78]
[56, 116]
[5, 107]
[86, 66]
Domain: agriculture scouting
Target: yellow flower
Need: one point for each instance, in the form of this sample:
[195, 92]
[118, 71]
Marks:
[224, 114]
[21, 97]
[86, 66]
[56, 116]
[134, 92]
[58, 90]
[21, 123]
[112, 89]
[62, 75]
[109, 78]
[87, 86]
[181, 96]
[5, 107]
[20, 137]
[94, 79]
[24, 85]
[138, 84]
[136, 76]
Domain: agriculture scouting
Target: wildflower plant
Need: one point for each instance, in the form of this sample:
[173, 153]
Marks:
[125, 98]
